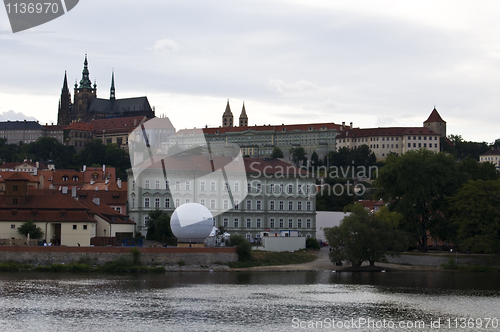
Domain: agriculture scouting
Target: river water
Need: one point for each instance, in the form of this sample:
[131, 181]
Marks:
[253, 301]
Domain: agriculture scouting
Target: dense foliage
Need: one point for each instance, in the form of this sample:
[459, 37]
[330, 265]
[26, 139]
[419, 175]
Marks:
[475, 212]
[30, 228]
[243, 247]
[64, 157]
[365, 236]
[159, 227]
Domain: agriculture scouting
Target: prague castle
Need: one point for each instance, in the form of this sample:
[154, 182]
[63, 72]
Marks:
[87, 107]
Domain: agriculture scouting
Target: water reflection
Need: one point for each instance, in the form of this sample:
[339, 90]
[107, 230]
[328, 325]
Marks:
[227, 301]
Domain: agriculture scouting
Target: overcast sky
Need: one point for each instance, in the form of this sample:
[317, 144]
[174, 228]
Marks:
[373, 63]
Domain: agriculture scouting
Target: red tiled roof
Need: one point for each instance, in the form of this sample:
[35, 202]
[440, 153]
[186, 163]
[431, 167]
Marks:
[110, 197]
[12, 165]
[19, 176]
[118, 124]
[87, 175]
[387, 131]
[434, 117]
[274, 128]
[58, 175]
[8, 174]
[54, 127]
[492, 152]
[107, 213]
[45, 205]
[81, 126]
[371, 204]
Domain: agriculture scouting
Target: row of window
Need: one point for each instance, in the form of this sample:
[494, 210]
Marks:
[280, 206]
[273, 223]
[74, 226]
[251, 187]
[420, 145]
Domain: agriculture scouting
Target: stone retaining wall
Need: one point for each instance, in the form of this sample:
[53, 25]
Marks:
[101, 255]
[438, 260]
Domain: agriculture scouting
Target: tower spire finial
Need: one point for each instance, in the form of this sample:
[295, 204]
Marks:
[85, 82]
[112, 89]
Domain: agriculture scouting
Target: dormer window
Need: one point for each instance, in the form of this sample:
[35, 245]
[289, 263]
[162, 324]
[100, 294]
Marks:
[75, 178]
[65, 178]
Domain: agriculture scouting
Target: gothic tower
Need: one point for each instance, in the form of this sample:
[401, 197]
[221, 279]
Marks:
[64, 111]
[112, 89]
[243, 117]
[436, 123]
[83, 96]
[227, 117]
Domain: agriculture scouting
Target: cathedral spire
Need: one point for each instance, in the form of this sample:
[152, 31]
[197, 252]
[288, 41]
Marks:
[227, 117]
[65, 83]
[85, 81]
[112, 90]
[243, 117]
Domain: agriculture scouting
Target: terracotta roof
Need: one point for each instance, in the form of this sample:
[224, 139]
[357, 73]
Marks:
[54, 127]
[492, 152]
[101, 186]
[90, 171]
[58, 176]
[273, 128]
[8, 175]
[371, 204]
[434, 117]
[107, 213]
[46, 205]
[80, 126]
[12, 165]
[118, 124]
[387, 131]
[110, 197]
[19, 176]
[193, 163]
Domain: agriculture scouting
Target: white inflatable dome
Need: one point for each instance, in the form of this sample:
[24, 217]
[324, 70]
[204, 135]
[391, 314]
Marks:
[191, 223]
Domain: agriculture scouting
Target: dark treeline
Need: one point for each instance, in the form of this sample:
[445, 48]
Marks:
[64, 157]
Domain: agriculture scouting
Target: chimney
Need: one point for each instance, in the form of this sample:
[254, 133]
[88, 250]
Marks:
[37, 164]
[103, 168]
[119, 183]
[343, 125]
[96, 189]
[96, 200]
[36, 172]
[351, 125]
[65, 190]
[135, 122]
[107, 188]
[84, 168]
[73, 191]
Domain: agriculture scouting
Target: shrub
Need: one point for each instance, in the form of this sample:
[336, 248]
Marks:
[312, 243]
[136, 256]
[243, 247]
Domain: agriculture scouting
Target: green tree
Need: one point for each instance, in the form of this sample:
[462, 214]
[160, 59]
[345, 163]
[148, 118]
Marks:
[159, 227]
[364, 236]
[30, 228]
[243, 247]
[277, 153]
[314, 160]
[416, 185]
[471, 169]
[298, 156]
[475, 211]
